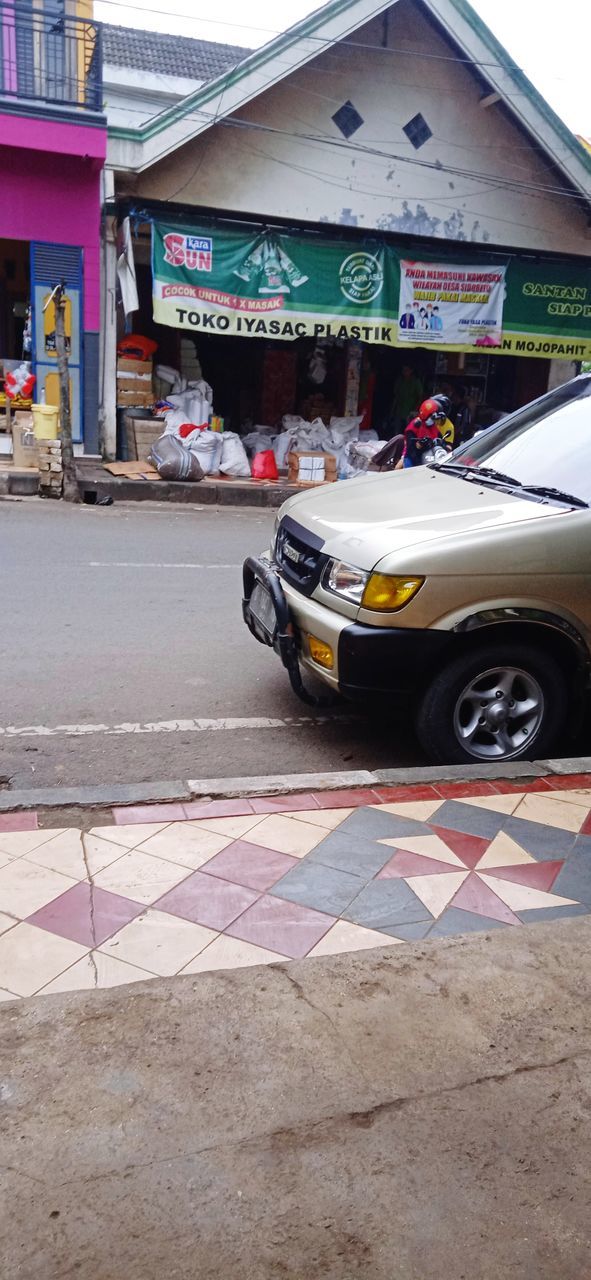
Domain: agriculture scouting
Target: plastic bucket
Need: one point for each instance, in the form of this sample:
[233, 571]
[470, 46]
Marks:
[45, 421]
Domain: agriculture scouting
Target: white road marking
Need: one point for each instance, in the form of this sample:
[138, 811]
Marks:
[132, 564]
[161, 726]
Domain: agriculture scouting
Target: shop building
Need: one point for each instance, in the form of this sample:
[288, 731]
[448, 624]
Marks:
[371, 164]
[52, 150]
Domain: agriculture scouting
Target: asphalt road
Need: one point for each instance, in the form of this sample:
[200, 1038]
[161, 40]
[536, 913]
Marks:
[119, 622]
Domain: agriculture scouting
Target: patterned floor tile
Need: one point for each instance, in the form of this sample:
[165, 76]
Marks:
[185, 844]
[207, 901]
[384, 904]
[345, 799]
[552, 813]
[95, 971]
[425, 846]
[17, 844]
[498, 804]
[572, 797]
[476, 896]
[6, 922]
[473, 821]
[148, 813]
[376, 824]
[538, 875]
[536, 838]
[469, 849]
[419, 810]
[86, 915]
[128, 836]
[158, 942]
[75, 855]
[30, 958]
[18, 822]
[7, 995]
[350, 852]
[282, 804]
[234, 828]
[503, 851]
[522, 897]
[574, 881]
[281, 926]
[201, 809]
[5, 859]
[345, 936]
[230, 953]
[286, 835]
[330, 819]
[25, 887]
[415, 931]
[455, 921]
[314, 885]
[436, 892]
[249, 865]
[141, 877]
[404, 864]
[539, 915]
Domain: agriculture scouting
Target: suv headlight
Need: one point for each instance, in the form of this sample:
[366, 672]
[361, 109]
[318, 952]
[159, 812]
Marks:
[345, 580]
[380, 592]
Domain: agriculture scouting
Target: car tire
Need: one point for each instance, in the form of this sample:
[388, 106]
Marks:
[523, 723]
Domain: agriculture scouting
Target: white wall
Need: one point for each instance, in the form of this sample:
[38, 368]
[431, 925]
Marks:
[132, 97]
[276, 175]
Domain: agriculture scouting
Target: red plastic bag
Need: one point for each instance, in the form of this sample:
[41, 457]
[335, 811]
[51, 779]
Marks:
[264, 466]
[137, 347]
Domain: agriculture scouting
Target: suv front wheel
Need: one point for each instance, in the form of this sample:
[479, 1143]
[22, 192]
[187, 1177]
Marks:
[503, 702]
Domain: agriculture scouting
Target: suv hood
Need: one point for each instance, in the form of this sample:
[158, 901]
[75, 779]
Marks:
[363, 520]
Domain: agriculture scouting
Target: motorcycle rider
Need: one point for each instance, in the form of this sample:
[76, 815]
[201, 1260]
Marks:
[423, 432]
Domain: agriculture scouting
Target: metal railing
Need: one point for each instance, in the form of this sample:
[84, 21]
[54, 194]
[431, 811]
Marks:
[48, 56]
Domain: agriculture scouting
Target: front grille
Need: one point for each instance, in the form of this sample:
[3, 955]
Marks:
[299, 556]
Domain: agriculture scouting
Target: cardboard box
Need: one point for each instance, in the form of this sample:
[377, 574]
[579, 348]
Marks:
[25, 451]
[136, 368]
[140, 435]
[135, 399]
[311, 467]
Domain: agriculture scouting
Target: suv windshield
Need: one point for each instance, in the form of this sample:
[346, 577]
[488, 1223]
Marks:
[546, 446]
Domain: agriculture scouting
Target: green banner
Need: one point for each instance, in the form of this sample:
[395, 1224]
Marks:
[235, 281]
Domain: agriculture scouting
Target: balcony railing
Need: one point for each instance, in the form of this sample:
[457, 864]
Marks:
[49, 56]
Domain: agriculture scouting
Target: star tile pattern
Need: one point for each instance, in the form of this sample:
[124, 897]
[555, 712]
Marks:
[189, 889]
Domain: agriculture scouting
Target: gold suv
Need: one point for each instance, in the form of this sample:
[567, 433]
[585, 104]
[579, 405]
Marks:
[460, 589]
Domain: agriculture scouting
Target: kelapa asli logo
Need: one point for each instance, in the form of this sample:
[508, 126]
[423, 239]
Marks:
[195, 253]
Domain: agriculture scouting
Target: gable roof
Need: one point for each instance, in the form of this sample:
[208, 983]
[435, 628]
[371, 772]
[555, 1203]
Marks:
[137, 149]
[162, 54]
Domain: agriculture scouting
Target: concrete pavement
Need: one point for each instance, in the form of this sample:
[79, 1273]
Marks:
[122, 624]
[408, 1114]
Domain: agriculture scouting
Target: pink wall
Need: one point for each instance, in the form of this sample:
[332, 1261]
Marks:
[64, 139]
[56, 199]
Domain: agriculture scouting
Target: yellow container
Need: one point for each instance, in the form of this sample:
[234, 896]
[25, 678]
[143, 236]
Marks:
[45, 421]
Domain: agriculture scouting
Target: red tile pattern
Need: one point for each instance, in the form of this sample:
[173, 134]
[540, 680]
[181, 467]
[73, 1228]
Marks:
[282, 926]
[469, 848]
[250, 865]
[148, 813]
[86, 914]
[19, 821]
[206, 900]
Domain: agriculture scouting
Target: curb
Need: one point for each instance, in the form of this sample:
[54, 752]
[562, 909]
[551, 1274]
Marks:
[281, 784]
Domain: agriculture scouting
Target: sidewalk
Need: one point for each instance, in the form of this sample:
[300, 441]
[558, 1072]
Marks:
[187, 887]
[418, 1112]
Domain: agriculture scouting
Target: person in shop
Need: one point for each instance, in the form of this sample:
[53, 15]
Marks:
[406, 397]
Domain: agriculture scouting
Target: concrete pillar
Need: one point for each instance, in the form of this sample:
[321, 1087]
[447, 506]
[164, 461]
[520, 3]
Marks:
[108, 406]
[561, 371]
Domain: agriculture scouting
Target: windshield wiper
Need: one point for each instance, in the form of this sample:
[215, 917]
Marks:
[546, 491]
[474, 472]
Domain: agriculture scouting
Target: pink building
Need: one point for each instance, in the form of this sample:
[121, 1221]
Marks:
[52, 151]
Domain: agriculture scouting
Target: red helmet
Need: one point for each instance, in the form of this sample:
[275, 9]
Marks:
[430, 409]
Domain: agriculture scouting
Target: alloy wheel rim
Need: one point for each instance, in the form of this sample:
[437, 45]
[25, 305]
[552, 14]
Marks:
[499, 713]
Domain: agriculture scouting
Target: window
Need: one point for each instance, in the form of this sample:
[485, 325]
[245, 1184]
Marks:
[417, 131]
[347, 119]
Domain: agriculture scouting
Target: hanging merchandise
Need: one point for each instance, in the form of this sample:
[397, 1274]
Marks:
[19, 383]
[126, 269]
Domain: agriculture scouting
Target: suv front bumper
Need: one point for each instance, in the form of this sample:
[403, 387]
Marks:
[395, 661]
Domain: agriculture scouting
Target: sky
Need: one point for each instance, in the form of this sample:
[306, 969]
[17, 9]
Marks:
[549, 42]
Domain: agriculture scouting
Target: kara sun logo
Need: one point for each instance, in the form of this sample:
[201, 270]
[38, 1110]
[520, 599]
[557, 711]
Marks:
[195, 253]
[361, 277]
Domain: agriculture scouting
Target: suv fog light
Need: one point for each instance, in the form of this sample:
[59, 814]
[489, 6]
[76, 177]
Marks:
[385, 593]
[321, 652]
